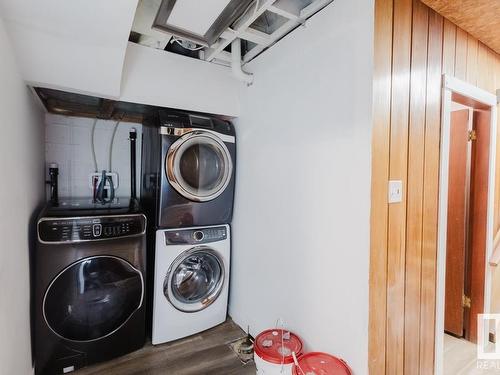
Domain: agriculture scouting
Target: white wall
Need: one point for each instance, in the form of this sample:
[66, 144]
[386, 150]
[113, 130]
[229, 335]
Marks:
[21, 152]
[156, 77]
[82, 46]
[301, 217]
[68, 143]
[76, 45]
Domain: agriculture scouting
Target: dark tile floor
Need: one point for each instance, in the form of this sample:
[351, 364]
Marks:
[207, 353]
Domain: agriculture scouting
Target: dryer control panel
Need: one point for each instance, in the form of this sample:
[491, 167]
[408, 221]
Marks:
[64, 230]
[195, 236]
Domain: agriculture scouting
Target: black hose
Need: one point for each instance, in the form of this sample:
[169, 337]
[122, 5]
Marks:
[54, 193]
[133, 138]
[100, 195]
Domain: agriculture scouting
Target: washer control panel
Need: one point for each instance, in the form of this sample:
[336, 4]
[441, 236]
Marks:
[195, 236]
[90, 228]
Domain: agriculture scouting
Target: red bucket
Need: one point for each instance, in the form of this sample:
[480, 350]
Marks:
[317, 363]
[273, 351]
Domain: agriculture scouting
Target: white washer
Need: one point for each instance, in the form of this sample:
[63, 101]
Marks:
[191, 281]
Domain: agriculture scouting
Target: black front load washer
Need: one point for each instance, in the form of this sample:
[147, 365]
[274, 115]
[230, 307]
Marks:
[89, 284]
[188, 169]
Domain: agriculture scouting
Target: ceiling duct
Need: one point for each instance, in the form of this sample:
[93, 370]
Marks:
[197, 28]
[202, 22]
[144, 17]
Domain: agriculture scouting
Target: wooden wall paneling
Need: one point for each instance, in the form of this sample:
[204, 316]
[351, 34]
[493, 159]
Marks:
[398, 153]
[398, 168]
[449, 43]
[461, 55]
[484, 68]
[472, 50]
[418, 79]
[479, 17]
[380, 176]
[486, 63]
[492, 70]
[496, 72]
[431, 188]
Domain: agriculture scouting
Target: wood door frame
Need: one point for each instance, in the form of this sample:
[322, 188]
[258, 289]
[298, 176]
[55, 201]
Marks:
[451, 85]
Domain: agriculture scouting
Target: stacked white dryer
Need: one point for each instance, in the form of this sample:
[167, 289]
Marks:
[188, 184]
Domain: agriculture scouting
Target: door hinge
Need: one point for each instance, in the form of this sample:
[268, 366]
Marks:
[466, 301]
[472, 135]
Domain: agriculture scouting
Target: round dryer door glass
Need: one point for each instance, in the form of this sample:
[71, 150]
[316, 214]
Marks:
[93, 298]
[198, 165]
[195, 279]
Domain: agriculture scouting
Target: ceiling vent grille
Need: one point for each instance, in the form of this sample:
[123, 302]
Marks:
[202, 22]
[205, 29]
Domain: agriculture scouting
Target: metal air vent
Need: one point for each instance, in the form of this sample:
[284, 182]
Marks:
[199, 21]
[205, 29]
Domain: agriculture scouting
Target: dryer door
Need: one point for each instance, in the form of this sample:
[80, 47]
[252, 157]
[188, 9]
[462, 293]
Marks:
[195, 279]
[198, 165]
[92, 298]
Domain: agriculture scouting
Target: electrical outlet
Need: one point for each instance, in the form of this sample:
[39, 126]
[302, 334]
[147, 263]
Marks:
[395, 191]
[113, 175]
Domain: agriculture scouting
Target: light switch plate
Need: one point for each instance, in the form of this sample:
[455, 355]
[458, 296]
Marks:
[395, 191]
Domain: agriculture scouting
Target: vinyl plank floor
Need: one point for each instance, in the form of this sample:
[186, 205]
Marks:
[206, 353]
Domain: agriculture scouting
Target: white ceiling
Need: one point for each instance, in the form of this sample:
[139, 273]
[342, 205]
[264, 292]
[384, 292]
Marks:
[195, 15]
[78, 45]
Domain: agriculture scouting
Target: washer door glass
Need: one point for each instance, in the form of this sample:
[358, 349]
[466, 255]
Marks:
[93, 298]
[199, 166]
[195, 279]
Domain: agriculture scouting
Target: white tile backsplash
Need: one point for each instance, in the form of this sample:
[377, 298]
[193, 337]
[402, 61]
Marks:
[55, 133]
[68, 143]
[79, 135]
